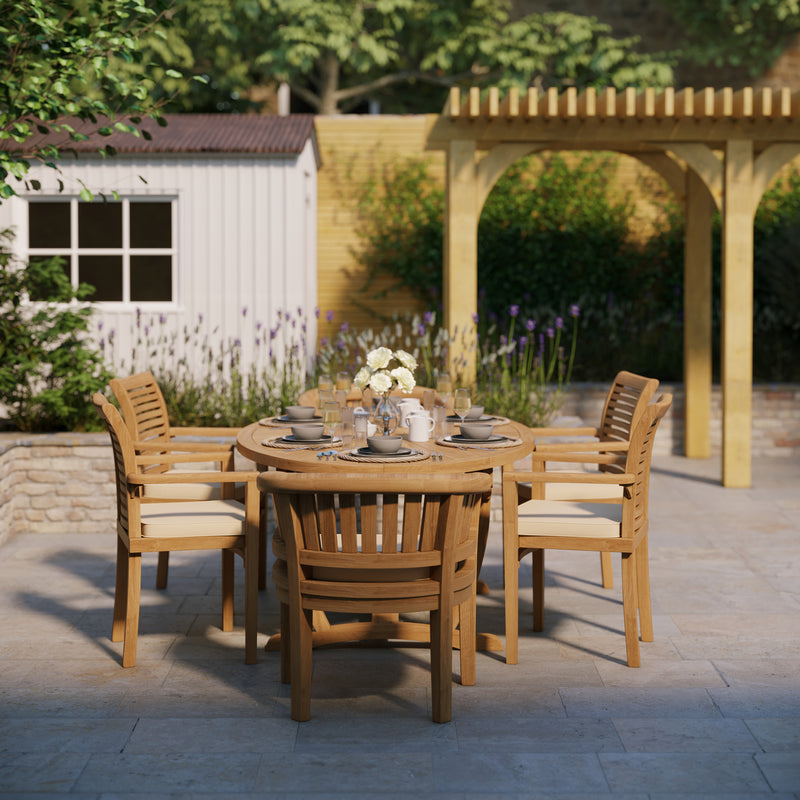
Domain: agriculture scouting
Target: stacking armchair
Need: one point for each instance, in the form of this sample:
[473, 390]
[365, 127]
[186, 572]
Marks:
[145, 413]
[340, 547]
[156, 527]
[627, 398]
[539, 524]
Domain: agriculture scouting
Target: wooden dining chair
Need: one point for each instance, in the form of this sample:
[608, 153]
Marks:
[378, 544]
[627, 398]
[211, 524]
[145, 413]
[539, 524]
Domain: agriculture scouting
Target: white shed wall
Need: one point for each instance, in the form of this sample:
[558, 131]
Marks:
[246, 235]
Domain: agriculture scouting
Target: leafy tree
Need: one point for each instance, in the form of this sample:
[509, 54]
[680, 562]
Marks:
[739, 33]
[336, 54]
[48, 367]
[54, 69]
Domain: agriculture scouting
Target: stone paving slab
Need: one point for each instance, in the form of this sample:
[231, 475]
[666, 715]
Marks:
[712, 713]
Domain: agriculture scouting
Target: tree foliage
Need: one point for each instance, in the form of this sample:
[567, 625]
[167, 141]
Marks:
[749, 33]
[55, 58]
[336, 54]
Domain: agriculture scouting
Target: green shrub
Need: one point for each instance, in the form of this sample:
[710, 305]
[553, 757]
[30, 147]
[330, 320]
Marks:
[49, 368]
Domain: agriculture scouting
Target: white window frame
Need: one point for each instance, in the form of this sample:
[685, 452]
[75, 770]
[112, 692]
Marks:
[73, 252]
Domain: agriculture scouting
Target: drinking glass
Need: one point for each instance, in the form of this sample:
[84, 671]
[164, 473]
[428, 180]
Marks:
[463, 403]
[444, 385]
[343, 381]
[325, 383]
[331, 416]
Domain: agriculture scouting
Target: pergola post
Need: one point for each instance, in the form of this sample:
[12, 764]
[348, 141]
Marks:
[460, 278]
[737, 313]
[697, 289]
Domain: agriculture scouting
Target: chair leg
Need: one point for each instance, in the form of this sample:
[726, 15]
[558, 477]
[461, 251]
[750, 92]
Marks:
[300, 665]
[606, 571]
[511, 572]
[286, 638]
[442, 664]
[227, 590]
[629, 609]
[262, 542]
[537, 567]
[643, 591]
[467, 641]
[120, 593]
[162, 570]
[134, 587]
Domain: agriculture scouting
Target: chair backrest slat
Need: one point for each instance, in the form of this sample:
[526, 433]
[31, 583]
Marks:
[390, 514]
[626, 400]
[640, 456]
[412, 523]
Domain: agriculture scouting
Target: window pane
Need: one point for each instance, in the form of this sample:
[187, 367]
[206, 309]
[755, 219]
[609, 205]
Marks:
[104, 273]
[151, 224]
[151, 278]
[100, 224]
[48, 225]
[48, 278]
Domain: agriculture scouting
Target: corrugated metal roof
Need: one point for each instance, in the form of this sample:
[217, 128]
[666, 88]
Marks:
[196, 133]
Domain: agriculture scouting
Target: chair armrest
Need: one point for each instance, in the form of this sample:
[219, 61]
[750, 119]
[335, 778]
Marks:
[181, 458]
[568, 447]
[581, 431]
[620, 479]
[576, 458]
[202, 431]
[139, 479]
[184, 447]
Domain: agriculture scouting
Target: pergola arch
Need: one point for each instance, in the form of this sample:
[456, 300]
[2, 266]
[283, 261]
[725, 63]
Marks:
[714, 148]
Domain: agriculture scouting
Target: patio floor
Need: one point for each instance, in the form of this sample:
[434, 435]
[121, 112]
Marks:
[713, 712]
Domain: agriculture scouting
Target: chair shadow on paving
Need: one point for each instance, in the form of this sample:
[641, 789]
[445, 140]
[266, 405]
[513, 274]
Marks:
[181, 625]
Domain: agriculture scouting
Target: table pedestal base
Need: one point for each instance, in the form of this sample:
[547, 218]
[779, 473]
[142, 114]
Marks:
[380, 627]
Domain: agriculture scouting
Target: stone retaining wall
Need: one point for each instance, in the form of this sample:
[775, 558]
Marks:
[63, 483]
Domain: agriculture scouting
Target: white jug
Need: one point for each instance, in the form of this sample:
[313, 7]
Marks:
[420, 425]
[408, 405]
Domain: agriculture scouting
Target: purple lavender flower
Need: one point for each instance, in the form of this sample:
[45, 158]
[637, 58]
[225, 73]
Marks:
[523, 340]
[429, 317]
[329, 315]
[421, 329]
[316, 312]
[324, 341]
[551, 332]
[244, 311]
[475, 317]
[530, 324]
[559, 322]
[345, 326]
[513, 310]
[574, 310]
[162, 318]
[259, 325]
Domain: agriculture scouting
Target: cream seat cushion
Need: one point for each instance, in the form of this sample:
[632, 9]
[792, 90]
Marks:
[565, 518]
[582, 491]
[201, 518]
[189, 491]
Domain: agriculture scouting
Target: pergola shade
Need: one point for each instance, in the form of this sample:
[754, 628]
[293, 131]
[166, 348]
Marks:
[713, 147]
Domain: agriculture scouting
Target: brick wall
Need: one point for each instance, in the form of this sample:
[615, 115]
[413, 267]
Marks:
[63, 483]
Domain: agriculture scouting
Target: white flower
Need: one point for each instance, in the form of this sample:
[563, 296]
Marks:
[362, 377]
[405, 378]
[379, 358]
[406, 359]
[380, 382]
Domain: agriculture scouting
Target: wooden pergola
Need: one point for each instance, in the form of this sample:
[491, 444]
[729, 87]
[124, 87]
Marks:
[714, 148]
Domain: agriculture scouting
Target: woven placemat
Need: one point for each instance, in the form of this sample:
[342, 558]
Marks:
[354, 456]
[480, 445]
[277, 442]
[495, 420]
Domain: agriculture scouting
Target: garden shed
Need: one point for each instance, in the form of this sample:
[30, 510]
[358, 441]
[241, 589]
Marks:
[205, 233]
[715, 148]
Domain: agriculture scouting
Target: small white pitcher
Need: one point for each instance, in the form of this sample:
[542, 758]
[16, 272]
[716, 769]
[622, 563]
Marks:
[420, 425]
[408, 405]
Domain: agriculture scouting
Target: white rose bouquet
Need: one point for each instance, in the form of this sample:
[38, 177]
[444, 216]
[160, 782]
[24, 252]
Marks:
[379, 375]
